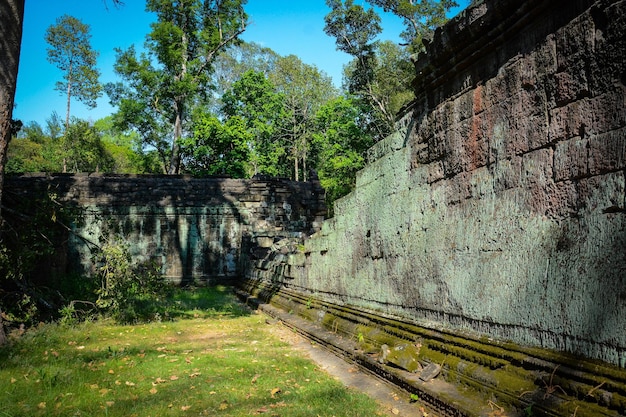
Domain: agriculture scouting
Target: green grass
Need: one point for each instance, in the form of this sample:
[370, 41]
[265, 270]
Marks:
[216, 359]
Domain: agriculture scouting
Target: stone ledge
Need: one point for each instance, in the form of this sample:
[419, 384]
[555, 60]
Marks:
[474, 371]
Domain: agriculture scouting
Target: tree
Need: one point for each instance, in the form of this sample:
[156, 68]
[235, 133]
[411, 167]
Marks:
[71, 52]
[254, 99]
[83, 150]
[164, 84]
[218, 148]
[233, 63]
[338, 146]
[421, 17]
[11, 19]
[380, 72]
[387, 87]
[33, 151]
[355, 30]
[305, 89]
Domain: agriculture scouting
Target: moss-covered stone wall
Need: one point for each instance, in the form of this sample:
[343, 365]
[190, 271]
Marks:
[194, 229]
[498, 208]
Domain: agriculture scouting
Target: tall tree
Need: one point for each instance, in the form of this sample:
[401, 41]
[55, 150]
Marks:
[233, 63]
[164, 84]
[305, 89]
[380, 72]
[70, 50]
[254, 99]
[355, 30]
[338, 146]
[11, 22]
[218, 147]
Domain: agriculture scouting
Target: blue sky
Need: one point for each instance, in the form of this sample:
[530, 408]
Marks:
[286, 26]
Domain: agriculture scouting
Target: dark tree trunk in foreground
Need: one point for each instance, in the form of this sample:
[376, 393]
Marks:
[11, 21]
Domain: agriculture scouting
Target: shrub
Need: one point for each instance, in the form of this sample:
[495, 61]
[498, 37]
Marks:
[129, 292]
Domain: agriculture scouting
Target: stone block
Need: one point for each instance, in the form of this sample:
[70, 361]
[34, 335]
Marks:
[607, 152]
[571, 159]
[570, 120]
[537, 167]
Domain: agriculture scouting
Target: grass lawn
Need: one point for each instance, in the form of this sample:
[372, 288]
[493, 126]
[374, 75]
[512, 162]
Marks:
[215, 358]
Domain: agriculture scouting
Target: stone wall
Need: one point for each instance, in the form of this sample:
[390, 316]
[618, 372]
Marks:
[498, 209]
[194, 229]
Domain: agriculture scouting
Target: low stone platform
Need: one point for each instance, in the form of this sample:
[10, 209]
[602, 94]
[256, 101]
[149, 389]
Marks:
[478, 376]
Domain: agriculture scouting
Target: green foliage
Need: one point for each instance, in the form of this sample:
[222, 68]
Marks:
[33, 150]
[254, 99]
[127, 290]
[217, 148]
[83, 149]
[381, 72]
[353, 27]
[25, 155]
[124, 149]
[234, 62]
[304, 90]
[71, 52]
[338, 147]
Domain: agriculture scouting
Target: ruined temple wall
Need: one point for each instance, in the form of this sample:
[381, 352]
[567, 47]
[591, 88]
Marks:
[498, 209]
[194, 229]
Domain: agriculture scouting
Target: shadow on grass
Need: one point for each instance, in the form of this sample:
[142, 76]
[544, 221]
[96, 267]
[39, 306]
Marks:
[205, 302]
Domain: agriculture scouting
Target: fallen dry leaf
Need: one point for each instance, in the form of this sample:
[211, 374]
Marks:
[274, 392]
[223, 405]
[153, 391]
[395, 411]
[130, 384]
[254, 378]
[173, 378]
[185, 407]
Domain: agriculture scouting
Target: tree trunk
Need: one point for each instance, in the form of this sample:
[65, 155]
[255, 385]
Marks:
[11, 21]
[178, 133]
[3, 336]
[69, 96]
